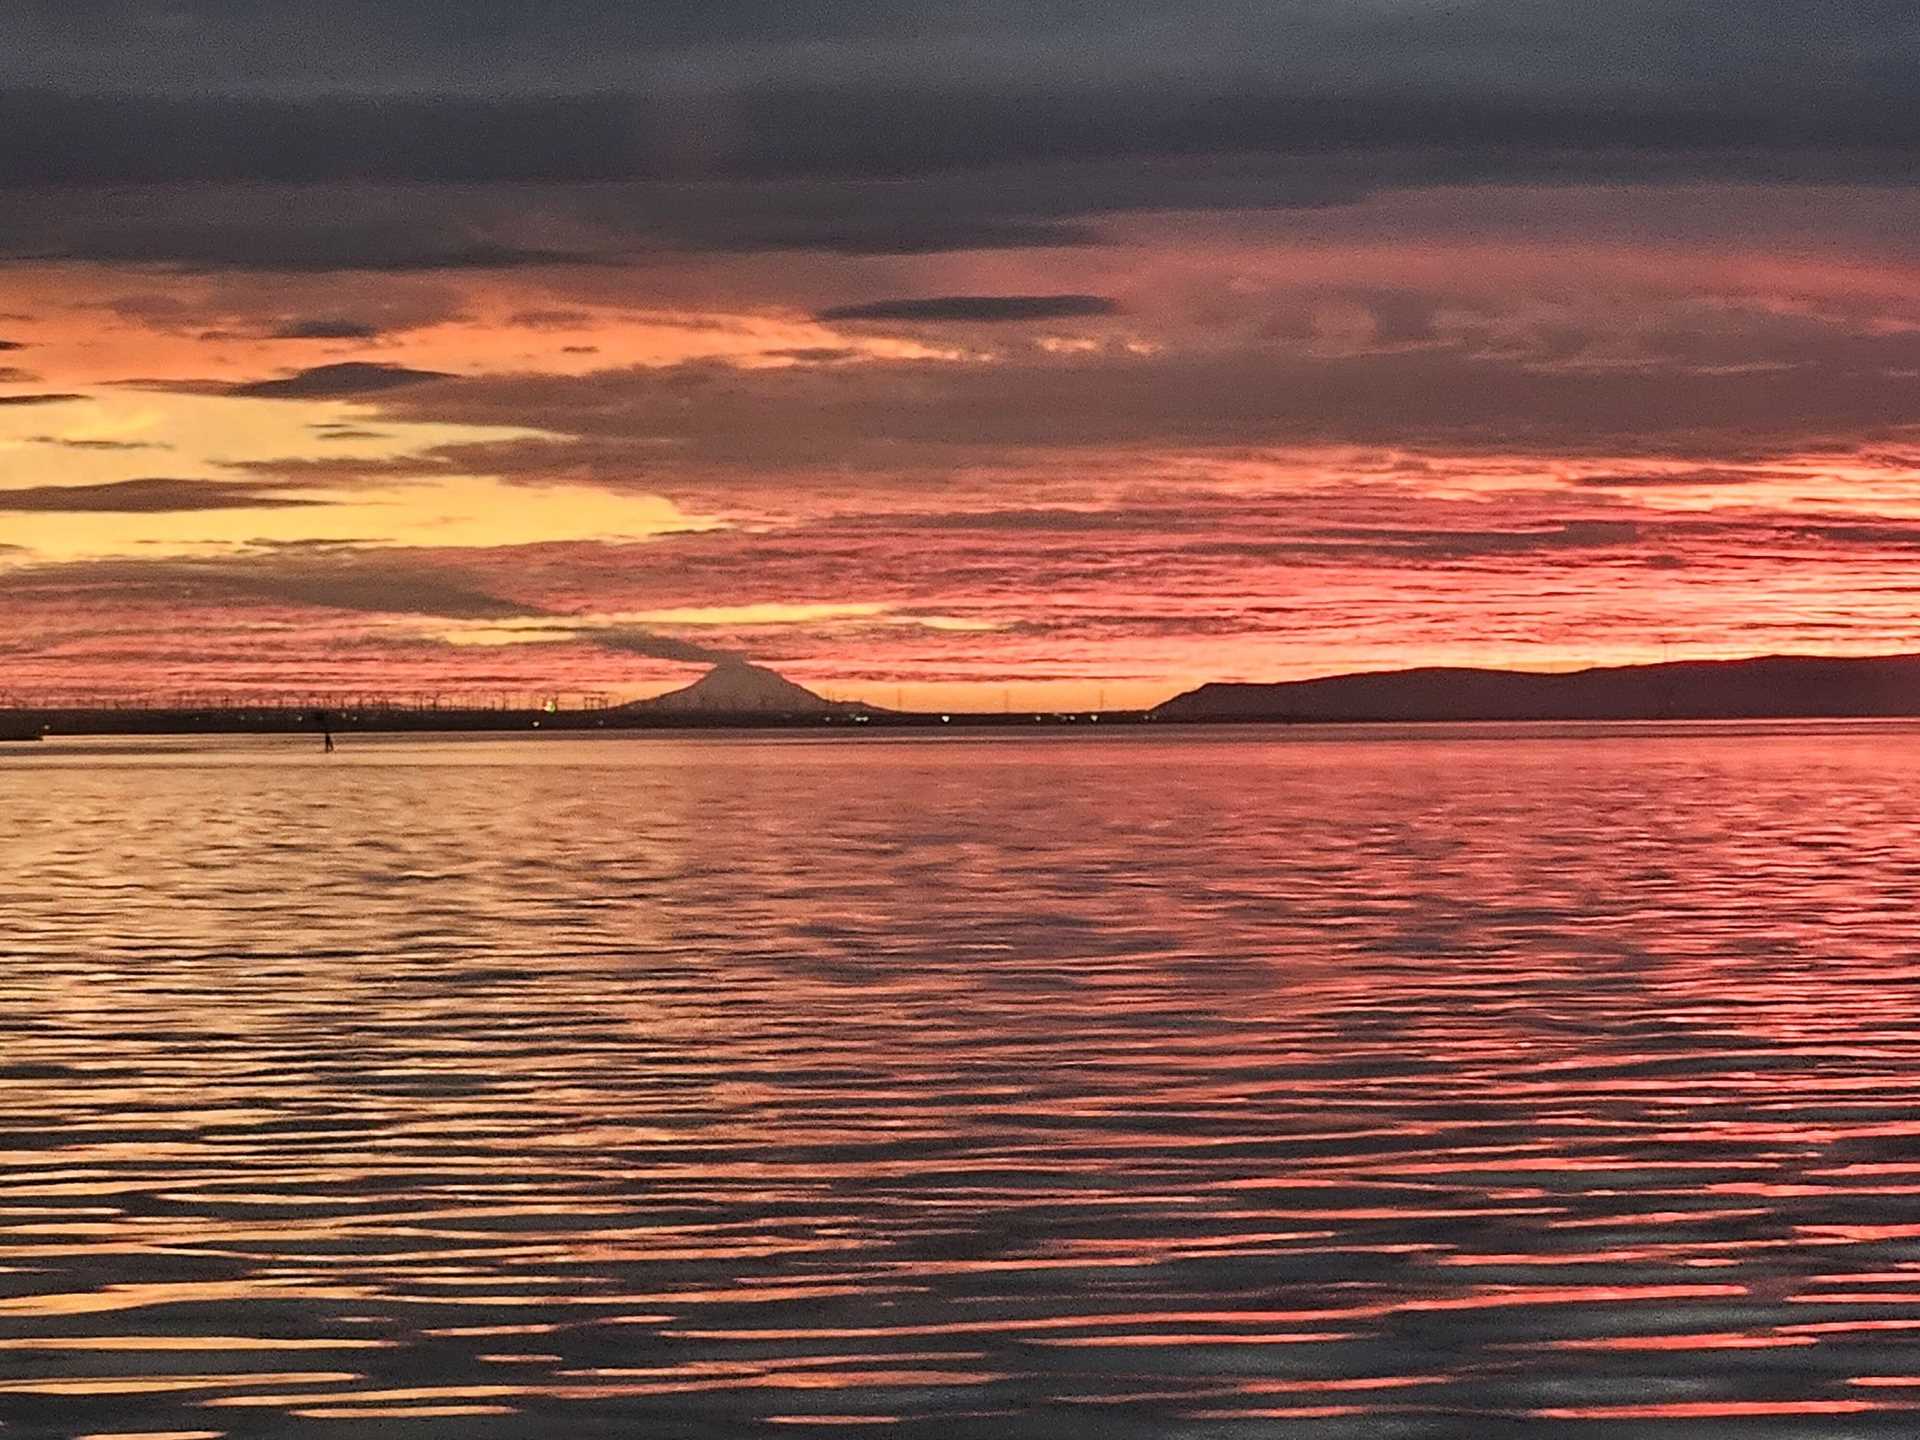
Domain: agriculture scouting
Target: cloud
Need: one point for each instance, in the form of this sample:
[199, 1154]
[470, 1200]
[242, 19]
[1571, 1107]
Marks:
[869, 234]
[325, 330]
[145, 497]
[365, 227]
[1047, 520]
[1535, 48]
[608, 229]
[706, 425]
[977, 309]
[656, 647]
[350, 583]
[1510, 81]
[340, 578]
[17, 400]
[234, 229]
[334, 382]
[14, 375]
[883, 126]
[99, 446]
[989, 109]
[1904, 537]
[11, 345]
[334, 579]
[815, 354]
[1426, 545]
[1677, 479]
[554, 319]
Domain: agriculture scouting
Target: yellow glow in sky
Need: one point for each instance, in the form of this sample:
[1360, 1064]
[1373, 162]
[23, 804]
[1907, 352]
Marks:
[120, 436]
[463, 512]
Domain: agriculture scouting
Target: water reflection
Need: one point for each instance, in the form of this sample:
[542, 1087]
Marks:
[1473, 1083]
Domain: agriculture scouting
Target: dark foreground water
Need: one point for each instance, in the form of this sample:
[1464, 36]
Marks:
[1479, 1083]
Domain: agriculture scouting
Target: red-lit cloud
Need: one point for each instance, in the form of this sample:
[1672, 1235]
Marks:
[1180, 371]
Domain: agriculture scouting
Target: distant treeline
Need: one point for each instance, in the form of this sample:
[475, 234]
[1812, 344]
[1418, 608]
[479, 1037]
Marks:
[273, 721]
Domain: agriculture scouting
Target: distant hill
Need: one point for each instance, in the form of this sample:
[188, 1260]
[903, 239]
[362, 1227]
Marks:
[1771, 687]
[735, 687]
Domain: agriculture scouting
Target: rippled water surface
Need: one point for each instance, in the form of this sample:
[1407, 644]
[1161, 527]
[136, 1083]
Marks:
[1502, 1082]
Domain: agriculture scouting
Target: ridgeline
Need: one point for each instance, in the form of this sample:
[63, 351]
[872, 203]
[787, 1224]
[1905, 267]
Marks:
[1774, 687]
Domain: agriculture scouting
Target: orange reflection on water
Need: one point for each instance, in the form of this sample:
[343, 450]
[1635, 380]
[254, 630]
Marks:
[153, 1384]
[363, 1414]
[188, 1343]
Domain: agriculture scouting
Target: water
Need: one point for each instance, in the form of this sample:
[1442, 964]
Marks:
[1491, 1082]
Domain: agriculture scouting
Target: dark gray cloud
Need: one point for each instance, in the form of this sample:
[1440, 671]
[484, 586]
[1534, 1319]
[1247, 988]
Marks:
[775, 133]
[10, 345]
[1532, 50]
[50, 399]
[484, 44]
[317, 230]
[117, 91]
[360, 226]
[373, 586]
[883, 127]
[332, 577]
[259, 229]
[325, 329]
[1876, 535]
[102, 446]
[628, 641]
[815, 354]
[977, 309]
[870, 234]
[145, 497]
[324, 577]
[212, 246]
[334, 382]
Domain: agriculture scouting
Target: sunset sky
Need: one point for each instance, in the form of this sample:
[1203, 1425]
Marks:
[963, 354]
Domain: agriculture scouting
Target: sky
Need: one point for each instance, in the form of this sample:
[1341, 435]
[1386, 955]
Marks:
[975, 354]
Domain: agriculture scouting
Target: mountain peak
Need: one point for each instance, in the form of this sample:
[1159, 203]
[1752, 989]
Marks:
[737, 687]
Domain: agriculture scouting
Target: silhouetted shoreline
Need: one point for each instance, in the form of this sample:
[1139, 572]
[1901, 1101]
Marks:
[1771, 687]
[1776, 687]
[78, 722]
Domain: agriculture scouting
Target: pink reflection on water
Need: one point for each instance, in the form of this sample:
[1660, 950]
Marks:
[1557, 1073]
